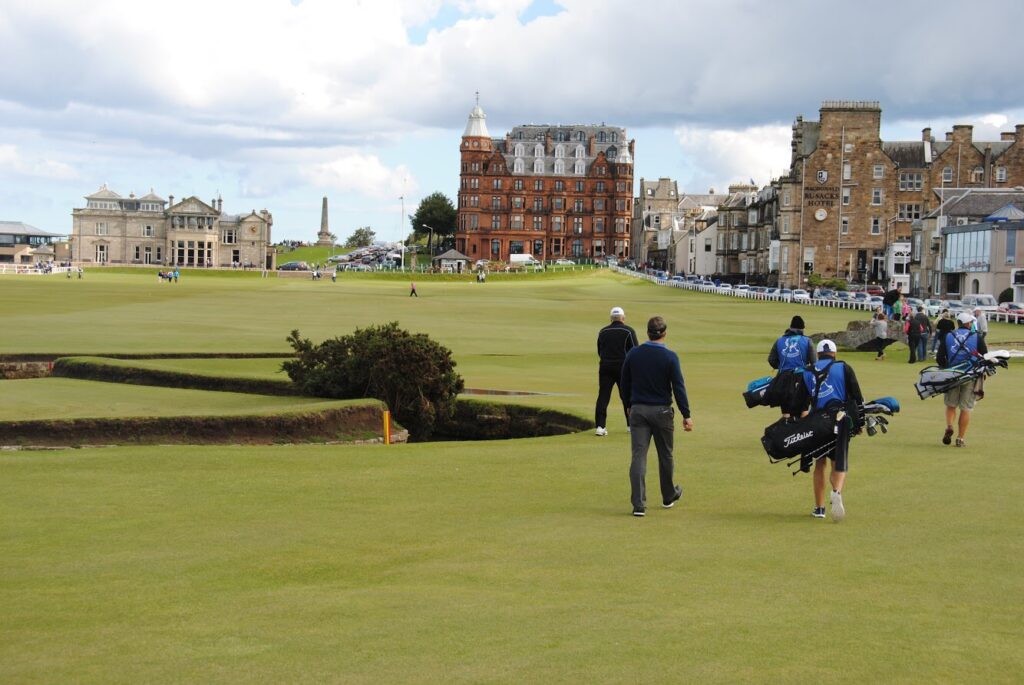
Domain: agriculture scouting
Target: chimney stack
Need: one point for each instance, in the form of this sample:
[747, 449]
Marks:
[170, 201]
[1019, 130]
[962, 133]
[1007, 136]
[926, 134]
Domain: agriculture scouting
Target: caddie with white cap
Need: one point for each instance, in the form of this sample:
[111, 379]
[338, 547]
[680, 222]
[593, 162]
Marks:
[613, 342]
[960, 348]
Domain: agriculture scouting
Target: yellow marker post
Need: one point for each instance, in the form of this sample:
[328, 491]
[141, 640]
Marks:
[387, 427]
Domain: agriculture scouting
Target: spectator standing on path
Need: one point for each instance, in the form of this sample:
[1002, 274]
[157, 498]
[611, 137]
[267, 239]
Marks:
[962, 346]
[412, 290]
[921, 326]
[793, 350]
[880, 327]
[838, 386]
[613, 342]
[981, 324]
[651, 376]
[176, 274]
[943, 326]
[81, 271]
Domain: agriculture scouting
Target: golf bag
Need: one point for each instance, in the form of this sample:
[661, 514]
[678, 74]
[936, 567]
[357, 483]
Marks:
[935, 380]
[754, 396]
[787, 438]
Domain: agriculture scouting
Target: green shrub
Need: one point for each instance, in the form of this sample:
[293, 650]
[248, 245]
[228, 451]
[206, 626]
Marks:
[1006, 296]
[414, 375]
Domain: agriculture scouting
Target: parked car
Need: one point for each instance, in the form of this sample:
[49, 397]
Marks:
[842, 296]
[874, 300]
[565, 262]
[934, 306]
[874, 290]
[725, 286]
[293, 266]
[1012, 307]
[985, 303]
[360, 267]
[786, 293]
[823, 293]
[801, 294]
[771, 291]
[707, 281]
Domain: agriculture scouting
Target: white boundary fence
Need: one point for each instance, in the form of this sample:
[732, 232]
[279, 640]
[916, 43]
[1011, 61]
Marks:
[30, 270]
[1004, 317]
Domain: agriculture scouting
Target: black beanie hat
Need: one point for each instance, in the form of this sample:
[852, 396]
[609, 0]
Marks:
[797, 323]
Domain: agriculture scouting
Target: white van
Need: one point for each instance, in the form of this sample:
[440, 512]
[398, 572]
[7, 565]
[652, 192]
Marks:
[986, 303]
[525, 259]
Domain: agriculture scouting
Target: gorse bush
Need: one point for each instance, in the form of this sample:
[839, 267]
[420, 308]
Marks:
[413, 374]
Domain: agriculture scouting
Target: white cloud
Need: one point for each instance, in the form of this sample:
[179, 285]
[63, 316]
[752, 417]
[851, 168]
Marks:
[364, 174]
[723, 156]
[13, 160]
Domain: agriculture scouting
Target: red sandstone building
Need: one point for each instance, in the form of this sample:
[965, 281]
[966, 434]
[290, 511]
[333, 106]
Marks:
[549, 191]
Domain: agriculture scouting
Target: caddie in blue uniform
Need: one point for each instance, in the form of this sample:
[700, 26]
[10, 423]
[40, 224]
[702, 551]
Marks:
[960, 347]
[838, 385]
[793, 350]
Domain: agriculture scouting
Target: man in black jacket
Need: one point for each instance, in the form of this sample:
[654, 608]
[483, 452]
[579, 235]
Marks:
[613, 342]
[889, 301]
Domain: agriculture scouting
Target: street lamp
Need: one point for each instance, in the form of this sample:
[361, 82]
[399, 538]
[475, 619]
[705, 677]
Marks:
[430, 240]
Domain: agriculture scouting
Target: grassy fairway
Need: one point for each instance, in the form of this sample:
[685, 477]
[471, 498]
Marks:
[68, 398]
[511, 561]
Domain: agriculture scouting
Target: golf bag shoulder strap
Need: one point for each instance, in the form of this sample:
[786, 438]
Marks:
[819, 376]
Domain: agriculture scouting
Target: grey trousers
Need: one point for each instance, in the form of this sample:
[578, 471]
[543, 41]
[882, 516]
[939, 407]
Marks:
[645, 422]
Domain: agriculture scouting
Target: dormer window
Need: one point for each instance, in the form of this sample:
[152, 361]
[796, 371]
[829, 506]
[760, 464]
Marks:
[559, 167]
[559, 151]
[538, 150]
[580, 153]
[611, 153]
[517, 166]
[601, 136]
[520, 150]
[580, 167]
[538, 166]
[579, 136]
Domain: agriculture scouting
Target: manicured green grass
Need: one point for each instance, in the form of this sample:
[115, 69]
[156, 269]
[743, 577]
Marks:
[311, 254]
[512, 561]
[69, 398]
[232, 368]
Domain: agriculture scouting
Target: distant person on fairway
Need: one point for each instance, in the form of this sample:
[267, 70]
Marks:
[412, 290]
[838, 384]
[944, 325]
[793, 350]
[651, 376]
[613, 342]
[962, 346]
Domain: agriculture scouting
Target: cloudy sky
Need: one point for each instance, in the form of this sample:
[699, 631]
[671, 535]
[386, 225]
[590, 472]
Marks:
[276, 103]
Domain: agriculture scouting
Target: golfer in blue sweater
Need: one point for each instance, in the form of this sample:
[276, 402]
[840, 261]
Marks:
[650, 377]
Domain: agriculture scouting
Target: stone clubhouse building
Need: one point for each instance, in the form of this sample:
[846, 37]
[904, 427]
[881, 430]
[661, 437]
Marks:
[112, 229]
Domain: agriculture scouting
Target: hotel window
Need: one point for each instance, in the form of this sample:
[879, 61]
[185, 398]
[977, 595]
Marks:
[579, 152]
[559, 151]
[577, 248]
[474, 221]
[876, 196]
[601, 136]
[579, 186]
[517, 222]
[707, 244]
[847, 171]
[599, 187]
[909, 211]
[911, 180]
[159, 250]
[520, 150]
[577, 206]
[517, 203]
[496, 184]
[878, 171]
[620, 205]
[559, 167]
[101, 228]
[101, 253]
[495, 221]
[557, 203]
[580, 136]
[538, 166]
[620, 186]
[947, 174]
[599, 205]
[515, 247]
[580, 168]
[538, 204]
[876, 226]
[1000, 174]
[495, 247]
[785, 198]
[230, 236]
[475, 166]
[846, 197]
[785, 223]
[538, 150]
[538, 248]
[138, 252]
[601, 171]
[845, 225]
[599, 224]
[620, 225]
[474, 200]
[474, 183]
[577, 224]
[538, 184]
[559, 186]
[517, 184]
[147, 231]
[538, 223]
[495, 202]
[556, 224]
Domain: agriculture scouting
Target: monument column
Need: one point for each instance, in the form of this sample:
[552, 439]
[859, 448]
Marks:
[323, 238]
